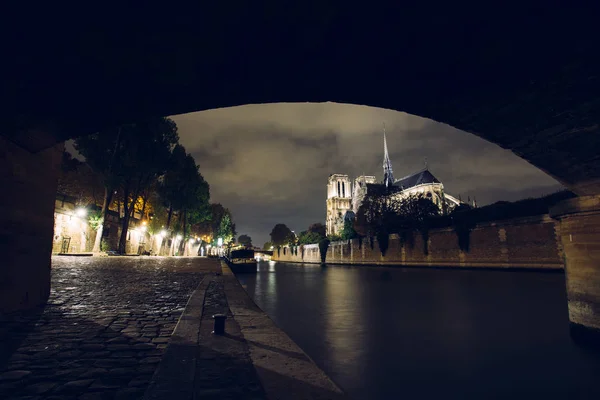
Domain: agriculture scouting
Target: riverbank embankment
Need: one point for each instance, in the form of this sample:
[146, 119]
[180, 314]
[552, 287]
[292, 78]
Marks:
[523, 243]
[253, 359]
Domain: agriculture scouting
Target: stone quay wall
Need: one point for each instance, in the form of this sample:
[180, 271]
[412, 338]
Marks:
[531, 242]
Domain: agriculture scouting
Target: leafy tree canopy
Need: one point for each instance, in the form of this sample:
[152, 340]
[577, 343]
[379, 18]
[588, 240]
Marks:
[318, 228]
[245, 240]
[281, 235]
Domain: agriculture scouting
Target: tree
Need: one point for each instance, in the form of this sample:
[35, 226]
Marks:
[245, 240]
[129, 158]
[101, 152]
[267, 246]
[348, 231]
[318, 228]
[307, 237]
[281, 235]
[226, 228]
[186, 193]
[383, 213]
[77, 179]
[146, 151]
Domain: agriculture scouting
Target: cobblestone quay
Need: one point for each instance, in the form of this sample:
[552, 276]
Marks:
[103, 332]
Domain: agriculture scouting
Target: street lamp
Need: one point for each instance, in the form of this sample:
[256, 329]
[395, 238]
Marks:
[81, 212]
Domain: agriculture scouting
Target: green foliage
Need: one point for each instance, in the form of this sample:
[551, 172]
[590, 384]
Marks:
[245, 240]
[381, 215]
[130, 158]
[282, 235]
[183, 187]
[334, 238]
[314, 234]
[348, 231]
[95, 220]
[158, 220]
[105, 246]
[226, 229]
[307, 237]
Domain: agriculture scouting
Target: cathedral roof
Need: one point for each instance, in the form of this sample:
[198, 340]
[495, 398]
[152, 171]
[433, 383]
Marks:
[418, 178]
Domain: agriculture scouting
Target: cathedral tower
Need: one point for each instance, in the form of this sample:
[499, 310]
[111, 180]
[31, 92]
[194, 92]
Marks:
[388, 173]
[339, 199]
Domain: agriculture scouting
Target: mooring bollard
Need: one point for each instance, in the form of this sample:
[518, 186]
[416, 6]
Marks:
[219, 328]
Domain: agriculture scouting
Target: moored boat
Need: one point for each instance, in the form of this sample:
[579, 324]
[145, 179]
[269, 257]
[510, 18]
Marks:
[241, 260]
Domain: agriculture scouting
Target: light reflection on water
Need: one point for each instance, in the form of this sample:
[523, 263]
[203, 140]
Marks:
[386, 333]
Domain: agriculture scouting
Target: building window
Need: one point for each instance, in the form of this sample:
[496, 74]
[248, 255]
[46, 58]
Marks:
[338, 188]
[343, 189]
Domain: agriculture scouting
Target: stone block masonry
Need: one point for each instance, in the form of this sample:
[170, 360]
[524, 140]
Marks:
[253, 359]
[518, 243]
[103, 331]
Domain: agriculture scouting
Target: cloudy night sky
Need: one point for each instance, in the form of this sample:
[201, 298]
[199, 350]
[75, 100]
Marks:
[269, 163]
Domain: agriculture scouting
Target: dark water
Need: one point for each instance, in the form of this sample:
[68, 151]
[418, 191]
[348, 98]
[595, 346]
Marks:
[390, 333]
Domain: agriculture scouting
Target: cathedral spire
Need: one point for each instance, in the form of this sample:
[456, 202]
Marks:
[388, 173]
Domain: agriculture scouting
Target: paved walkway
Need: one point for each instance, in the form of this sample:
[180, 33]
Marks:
[103, 331]
[253, 359]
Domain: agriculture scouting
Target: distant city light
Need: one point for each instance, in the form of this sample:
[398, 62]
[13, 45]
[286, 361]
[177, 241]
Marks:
[81, 212]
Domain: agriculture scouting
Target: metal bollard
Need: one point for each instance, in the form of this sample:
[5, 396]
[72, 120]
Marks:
[219, 328]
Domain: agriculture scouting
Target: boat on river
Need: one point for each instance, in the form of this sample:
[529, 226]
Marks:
[241, 260]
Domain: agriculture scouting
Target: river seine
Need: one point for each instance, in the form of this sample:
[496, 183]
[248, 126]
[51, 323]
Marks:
[390, 333]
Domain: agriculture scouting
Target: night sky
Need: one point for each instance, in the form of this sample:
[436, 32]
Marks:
[269, 163]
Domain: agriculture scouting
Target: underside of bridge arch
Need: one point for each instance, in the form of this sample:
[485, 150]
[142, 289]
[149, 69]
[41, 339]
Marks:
[524, 78]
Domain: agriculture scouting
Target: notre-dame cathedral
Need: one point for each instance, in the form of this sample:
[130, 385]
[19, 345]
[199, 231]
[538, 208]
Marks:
[344, 196]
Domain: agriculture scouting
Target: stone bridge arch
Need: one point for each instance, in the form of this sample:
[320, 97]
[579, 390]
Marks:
[524, 78]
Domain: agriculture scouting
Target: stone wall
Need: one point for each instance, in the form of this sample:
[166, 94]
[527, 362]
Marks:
[73, 234]
[29, 182]
[518, 243]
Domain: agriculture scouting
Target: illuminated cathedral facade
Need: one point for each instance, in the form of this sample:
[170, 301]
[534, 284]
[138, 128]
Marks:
[345, 197]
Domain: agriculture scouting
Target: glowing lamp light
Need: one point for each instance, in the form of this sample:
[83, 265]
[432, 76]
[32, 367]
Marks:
[163, 233]
[144, 223]
[179, 237]
[220, 241]
[143, 228]
[191, 240]
[81, 212]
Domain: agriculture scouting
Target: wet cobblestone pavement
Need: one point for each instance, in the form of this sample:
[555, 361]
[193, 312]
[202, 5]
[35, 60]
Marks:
[103, 331]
